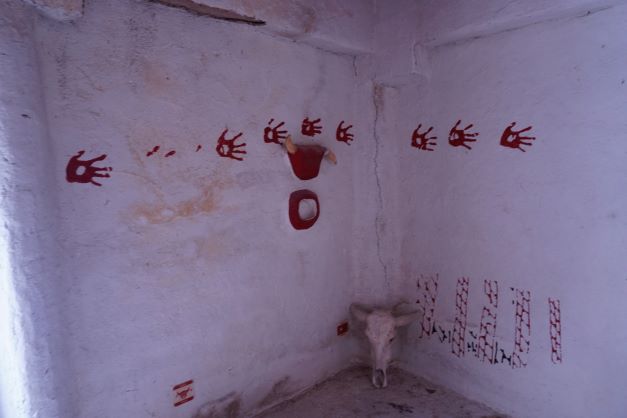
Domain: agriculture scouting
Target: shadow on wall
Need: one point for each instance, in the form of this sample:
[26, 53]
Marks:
[226, 407]
[229, 406]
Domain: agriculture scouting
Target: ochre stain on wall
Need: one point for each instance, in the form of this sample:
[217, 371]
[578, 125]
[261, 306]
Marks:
[212, 247]
[157, 79]
[157, 213]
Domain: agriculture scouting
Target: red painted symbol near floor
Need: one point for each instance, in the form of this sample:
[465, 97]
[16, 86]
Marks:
[342, 328]
[83, 171]
[183, 393]
[227, 148]
[517, 140]
[425, 140]
[342, 134]
[274, 134]
[459, 137]
[171, 153]
[311, 127]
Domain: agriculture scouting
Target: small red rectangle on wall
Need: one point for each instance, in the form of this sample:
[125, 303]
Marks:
[183, 392]
[342, 328]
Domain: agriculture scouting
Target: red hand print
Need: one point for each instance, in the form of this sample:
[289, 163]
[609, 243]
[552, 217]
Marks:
[274, 134]
[226, 147]
[342, 134]
[87, 171]
[459, 137]
[310, 127]
[517, 140]
[425, 141]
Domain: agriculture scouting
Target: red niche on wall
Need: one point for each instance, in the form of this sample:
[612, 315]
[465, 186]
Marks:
[306, 161]
[303, 217]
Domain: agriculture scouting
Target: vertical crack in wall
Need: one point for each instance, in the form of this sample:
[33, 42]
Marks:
[377, 99]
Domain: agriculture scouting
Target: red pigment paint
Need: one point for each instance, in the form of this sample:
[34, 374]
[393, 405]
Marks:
[227, 148]
[342, 134]
[183, 393]
[310, 127]
[88, 171]
[274, 134]
[198, 148]
[171, 153]
[486, 347]
[421, 140]
[428, 288]
[555, 330]
[459, 137]
[458, 345]
[306, 161]
[522, 328]
[342, 328]
[155, 149]
[295, 199]
[517, 140]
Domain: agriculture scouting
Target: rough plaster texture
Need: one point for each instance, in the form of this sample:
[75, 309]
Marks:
[63, 10]
[349, 394]
[31, 344]
[448, 21]
[549, 220]
[187, 267]
[330, 24]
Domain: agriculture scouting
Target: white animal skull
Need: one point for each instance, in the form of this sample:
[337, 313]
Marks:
[381, 327]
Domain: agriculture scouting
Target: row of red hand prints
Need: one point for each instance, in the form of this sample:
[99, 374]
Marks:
[464, 137]
[84, 171]
[275, 134]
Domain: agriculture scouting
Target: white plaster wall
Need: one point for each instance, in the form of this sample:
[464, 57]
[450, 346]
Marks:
[441, 22]
[63, 10]
[344, 25]
[187, 267]
[551, 220]
[32, 351]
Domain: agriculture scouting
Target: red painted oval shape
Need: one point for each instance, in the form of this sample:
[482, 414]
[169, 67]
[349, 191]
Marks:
[295, 218]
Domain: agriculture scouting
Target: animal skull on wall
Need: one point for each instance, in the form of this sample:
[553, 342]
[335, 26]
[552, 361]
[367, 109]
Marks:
[381, 327]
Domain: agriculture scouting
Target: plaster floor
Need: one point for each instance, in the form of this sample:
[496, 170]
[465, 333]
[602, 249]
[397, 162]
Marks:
[350, 394]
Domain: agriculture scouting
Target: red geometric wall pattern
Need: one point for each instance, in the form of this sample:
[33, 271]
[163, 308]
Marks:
[427, 294]
[483, 343]
[461, 315]
[487, 329]
[555, 330]
[522, 328]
